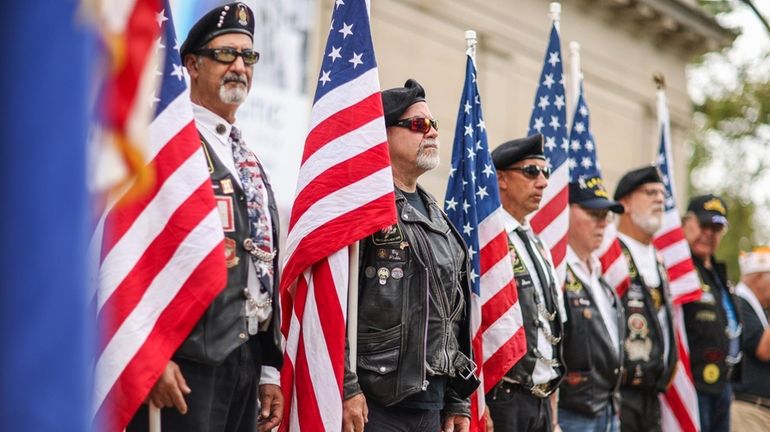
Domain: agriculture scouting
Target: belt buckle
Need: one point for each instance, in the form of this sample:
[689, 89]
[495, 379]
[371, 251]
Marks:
[540, 390]
[470, 368]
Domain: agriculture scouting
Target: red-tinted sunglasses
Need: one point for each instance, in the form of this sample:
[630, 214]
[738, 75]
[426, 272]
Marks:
[418, 124]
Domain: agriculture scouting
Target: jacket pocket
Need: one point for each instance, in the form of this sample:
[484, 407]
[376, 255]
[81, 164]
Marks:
[379, 351]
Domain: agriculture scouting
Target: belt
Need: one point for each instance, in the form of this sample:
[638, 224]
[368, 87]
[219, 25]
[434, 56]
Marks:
[541, 391]
[755, 400]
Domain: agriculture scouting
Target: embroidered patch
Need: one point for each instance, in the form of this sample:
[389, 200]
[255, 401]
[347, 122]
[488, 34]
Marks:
[391, 234]
[227, 186]
[225, 208]
[391, 254]
[231, 256]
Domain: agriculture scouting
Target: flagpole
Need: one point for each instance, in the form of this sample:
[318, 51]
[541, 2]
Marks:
[353, 304]
[555, 13]
[576, 75]
[470, 44]
[154, 415]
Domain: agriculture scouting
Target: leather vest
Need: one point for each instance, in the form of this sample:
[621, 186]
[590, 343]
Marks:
[593, 363]
[223, 326]
[414, 305]
[707, 330]
[521, 372]
[645, 366]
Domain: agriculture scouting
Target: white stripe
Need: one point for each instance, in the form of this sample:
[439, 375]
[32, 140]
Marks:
[341, 149]
[134, 331]
[497, 277]
[294, 416]
[491, 227]
[676, 253]
[686, 284]
[338, 203]
[556, 230]
[149, 224]
[345, 96]
[115, 14]
[320, 367]
[501, 331]
[175, 117]
[339, 267]
[558, 181]
[617, 272]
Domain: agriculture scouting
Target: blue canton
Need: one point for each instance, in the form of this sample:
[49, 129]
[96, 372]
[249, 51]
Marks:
[582, 160]
[349, 52]
[472, 188]
[663, 167]
[549, 114]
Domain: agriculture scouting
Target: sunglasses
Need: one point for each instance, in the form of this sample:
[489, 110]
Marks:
[228, 55]
[531, 171]
[418, 124]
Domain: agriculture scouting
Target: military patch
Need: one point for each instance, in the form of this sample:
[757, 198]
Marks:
[397, 273]
[369, 272]
[227, 186]
[705, 316]
[572, 284]
[225, 208]
[657, 298]
[383, 274]
[519, 269]
[711, 373]
[575, 378]
[231, 256]
[391, 234]
[391, 254]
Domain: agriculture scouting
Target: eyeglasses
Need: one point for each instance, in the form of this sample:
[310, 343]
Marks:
[598, 214]
[418, 124]
[229, 55]
[651, 192]
[531, 171]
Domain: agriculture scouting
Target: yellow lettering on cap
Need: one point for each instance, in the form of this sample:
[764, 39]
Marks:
[715, 204]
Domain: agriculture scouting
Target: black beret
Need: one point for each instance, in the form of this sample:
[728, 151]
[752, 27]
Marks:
[635, 178]
[396, 100]
[590, 193]
[230, 18]
[709, 209]
[508, 153]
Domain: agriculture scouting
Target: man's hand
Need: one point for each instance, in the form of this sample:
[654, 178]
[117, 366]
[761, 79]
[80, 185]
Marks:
[170, 389]
[355, 414]
[490, 425]
[456, 423]
[271, 403]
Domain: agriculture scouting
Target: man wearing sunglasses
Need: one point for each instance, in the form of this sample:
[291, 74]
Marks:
[712, 322]
[229, 364]
[414, 370]
[589, 396]
[650, 350]
[525, 398]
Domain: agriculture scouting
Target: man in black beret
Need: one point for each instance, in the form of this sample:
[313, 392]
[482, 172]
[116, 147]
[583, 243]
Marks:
[712, 322]
[413, 369]
[230, 362]
[525, 399]
[650, 349]
[589, 396]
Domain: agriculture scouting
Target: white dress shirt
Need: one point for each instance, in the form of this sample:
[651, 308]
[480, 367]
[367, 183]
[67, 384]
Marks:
[207, 122]
[589, 276]
[646, 259]
[543, 372]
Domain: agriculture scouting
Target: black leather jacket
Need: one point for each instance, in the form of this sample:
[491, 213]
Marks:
[593, 363]
[222, 328]
[413, 317]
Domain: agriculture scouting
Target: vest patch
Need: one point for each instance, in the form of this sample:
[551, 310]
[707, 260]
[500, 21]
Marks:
[391, 234]
[226, 215]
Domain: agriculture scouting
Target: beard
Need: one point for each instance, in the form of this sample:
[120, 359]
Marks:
[649, 221]
[236, 94]
[428, 159]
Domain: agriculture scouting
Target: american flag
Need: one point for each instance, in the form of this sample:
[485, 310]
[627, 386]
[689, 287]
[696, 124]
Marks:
[160, 257]
[344, 193]
[473, 204]
[679, 405]
[583, 162]
[549, 118]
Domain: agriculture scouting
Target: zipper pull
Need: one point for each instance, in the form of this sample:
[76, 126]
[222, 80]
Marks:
[425, 385]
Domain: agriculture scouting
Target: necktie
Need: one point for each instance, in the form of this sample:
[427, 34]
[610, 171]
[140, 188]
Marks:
[522, 233]
[250, 174]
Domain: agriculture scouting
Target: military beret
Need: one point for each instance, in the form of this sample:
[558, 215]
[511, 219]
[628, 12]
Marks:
[590, 193]
[635, 178]
[396, 100]
[709, 209]
[230, 18]
[510, 152]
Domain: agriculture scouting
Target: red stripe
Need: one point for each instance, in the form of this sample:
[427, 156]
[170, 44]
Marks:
[611, 255]
[674, 400]
[172, 327]
[499, 305]
[687, 298]
[498, 364]
[338, 233]
[559, 250]
[343, 174]
[663, 241]
[550, 211]
[330, 314]
[342, 122]
[176, 152]
[493, 252]
[138, 39]
[154, 259]
[680, 269]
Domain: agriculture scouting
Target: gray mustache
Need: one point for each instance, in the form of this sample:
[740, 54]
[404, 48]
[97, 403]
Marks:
[235, 78]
